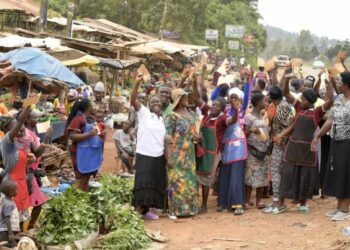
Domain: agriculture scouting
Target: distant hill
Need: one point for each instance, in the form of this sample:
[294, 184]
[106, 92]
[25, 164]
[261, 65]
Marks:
[280, 41]
[274, 33]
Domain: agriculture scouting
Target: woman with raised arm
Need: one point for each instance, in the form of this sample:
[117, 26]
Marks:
[15, 157]
[150, 177]
[212, 128]
[231, 174]
[299, 172]
[337, 177]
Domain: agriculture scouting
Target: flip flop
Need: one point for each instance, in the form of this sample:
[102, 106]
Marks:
[261, 206]
[303, 209]
[156, 236]
[279, 210]
[203, 210]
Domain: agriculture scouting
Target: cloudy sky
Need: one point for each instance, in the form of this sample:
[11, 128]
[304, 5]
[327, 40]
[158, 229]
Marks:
[324, 18]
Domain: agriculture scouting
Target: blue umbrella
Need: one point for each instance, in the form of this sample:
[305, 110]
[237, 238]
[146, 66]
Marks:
[41, 65]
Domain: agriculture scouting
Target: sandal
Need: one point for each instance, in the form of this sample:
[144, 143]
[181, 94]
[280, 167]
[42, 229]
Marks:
[238, 211]
[279, 210]
[203, 210]
[261, 206]
[221, 209]
[150, 216]
[303, 209]
[268, 210]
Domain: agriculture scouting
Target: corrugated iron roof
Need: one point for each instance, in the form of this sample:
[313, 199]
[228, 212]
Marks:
[27, 6]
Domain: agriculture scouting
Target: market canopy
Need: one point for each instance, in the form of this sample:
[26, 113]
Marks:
[40, 65]
[86, 60]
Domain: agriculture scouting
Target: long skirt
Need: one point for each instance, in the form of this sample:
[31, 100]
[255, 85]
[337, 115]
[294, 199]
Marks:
[337, 179]
[231, 185]
[256, 172]
[150, 182]
[325, 147]
[298, 182]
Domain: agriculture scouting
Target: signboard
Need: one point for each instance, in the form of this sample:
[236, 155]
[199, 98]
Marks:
[211, 34]
[252, 49]
[234, 31]
[233, 45]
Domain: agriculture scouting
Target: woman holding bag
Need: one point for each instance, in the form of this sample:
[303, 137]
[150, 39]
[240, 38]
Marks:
[256, 130]
[86, 146]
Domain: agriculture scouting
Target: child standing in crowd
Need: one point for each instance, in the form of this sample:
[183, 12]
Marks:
[300, 172]
[9, 217]
[124, 143]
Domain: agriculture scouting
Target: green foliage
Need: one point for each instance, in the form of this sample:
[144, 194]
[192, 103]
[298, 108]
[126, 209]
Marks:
[67, 218]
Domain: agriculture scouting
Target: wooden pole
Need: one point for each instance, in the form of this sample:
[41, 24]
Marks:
[70, 18]
[43, 15]
[162, 23]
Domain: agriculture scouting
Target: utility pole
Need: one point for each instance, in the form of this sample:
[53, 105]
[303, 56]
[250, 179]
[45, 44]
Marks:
[43, 15]
[70, 17]
[162, 23]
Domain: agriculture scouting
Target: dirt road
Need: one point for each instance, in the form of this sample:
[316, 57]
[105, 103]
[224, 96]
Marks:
[253, 230]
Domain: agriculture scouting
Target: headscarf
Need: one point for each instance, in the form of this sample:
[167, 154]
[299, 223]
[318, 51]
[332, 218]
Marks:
[100, 87]
[310, 95]
[237, 92]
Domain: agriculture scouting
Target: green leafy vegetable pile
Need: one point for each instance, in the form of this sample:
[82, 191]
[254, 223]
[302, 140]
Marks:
[67, 218]
[75, 214]
[114, 190]
[126, 230]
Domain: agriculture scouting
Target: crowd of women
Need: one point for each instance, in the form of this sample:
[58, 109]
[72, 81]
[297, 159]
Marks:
[256, 133]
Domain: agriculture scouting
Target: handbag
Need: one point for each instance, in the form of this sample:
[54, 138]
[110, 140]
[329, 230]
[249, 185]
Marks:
[256, 153]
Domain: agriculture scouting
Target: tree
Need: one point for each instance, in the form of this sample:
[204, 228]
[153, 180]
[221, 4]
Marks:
[188, 17]
[314, 52]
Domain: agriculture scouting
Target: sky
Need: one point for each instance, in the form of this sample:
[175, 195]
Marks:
[322, 17]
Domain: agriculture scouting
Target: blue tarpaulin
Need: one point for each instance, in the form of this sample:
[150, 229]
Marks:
[39, 64]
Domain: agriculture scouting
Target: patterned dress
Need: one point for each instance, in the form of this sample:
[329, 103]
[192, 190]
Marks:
[182, 178]
[256, 172]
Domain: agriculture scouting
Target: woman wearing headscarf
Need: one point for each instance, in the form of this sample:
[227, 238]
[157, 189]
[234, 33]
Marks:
[256, 130]
[299, 172]
[150, 176]
[337, 172]
[86, 145]
[181, 139]
[212, 128]
[15, 157]
[231, 173]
